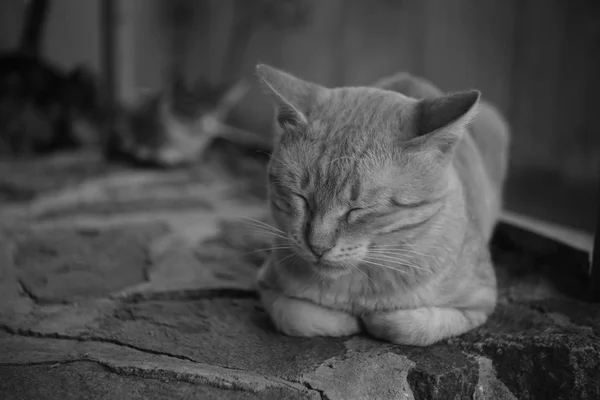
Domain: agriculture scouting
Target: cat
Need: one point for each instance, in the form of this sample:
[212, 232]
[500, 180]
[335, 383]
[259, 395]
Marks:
[383, 200]
[172, 128]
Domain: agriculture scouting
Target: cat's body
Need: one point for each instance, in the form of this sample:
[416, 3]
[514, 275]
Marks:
[384, 206]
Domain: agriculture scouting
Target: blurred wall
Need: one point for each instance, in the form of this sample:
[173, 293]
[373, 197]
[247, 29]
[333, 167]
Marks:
[73, 35]
[72, 30]
[538, 60]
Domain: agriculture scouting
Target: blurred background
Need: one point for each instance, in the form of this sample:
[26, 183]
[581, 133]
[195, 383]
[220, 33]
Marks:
[538, 61]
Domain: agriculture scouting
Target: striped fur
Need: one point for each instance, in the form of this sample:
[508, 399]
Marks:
[383, 201]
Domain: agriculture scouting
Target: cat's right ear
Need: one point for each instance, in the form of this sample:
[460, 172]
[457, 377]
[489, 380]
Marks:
[293, 97]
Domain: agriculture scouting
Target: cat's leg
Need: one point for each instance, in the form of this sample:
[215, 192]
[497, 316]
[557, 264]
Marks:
[423, 326]
[296, 317]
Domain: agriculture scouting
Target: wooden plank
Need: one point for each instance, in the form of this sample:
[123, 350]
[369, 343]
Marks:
[118, 56]
[469, 44]
[554, 106]
[35, 21]
[595, 268]
[577, 147]
[382, 38]
[107, 62]
[536, 73]
[309, 50]
[313, 51]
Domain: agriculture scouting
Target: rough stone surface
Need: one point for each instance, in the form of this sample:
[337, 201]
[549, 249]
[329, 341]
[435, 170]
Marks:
[140, 284]
[86, 380]
[57, 265]
[363, 376]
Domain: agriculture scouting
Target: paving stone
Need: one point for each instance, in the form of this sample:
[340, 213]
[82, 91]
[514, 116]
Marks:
[489, 386]
[57, 265]
[106, 370]
[231, 331]
[128, 309]
[14, 302]
[364, 376]
[221, 331]
[86, 380]
[24, 180]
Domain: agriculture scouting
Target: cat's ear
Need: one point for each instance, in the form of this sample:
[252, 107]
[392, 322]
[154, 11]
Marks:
[441, 121]
[293, 97]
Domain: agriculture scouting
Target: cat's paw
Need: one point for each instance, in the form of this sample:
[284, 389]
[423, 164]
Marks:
[295, 317]
[422, 326]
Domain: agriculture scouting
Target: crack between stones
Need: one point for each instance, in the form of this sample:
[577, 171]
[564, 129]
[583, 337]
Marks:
[28, 292]
[40, 363]
[191, 294]
[30, 333]
[136, 371]
[321, 392]
[36, 299]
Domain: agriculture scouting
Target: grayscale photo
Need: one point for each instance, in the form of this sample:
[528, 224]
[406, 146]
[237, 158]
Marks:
[299, 199]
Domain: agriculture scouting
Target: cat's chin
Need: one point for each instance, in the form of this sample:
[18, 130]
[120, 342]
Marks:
[323, 268]
[330, 270]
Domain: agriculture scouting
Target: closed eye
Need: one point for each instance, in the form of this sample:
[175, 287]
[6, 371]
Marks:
[404, 205]
[304, 199]
[281, 204]
[353, 214]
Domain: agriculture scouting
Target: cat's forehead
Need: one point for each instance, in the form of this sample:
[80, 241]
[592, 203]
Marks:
[362, 106]
[334, 171]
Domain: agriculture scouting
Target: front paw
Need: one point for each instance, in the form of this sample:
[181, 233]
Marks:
[423, 326]
[295, 317]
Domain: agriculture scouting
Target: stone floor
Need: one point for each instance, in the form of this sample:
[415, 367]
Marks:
[123, 284]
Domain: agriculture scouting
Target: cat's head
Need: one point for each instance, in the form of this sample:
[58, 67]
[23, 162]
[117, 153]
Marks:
[355, 167]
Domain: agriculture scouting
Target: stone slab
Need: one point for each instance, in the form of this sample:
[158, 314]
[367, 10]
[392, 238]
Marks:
[141, 283]
[112, 368]
[60, 265]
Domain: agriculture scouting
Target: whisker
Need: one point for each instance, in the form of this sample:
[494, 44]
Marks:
[261, 223]
[368, 262]
[403, 252]
[402, 261]
[287, 258]
[423, 246]
[269, 248]
[267, 233]
[361, 271]
[404, 244]
[396, 261]
[391, 259]
[346, 267]
[253, 225]
[404, 247]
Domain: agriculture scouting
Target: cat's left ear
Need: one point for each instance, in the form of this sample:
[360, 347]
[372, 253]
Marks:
[294, 97]
[441, 122]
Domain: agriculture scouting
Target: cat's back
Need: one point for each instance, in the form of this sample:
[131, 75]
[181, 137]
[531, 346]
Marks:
[481, 161]
[491, 133]
[488, 129]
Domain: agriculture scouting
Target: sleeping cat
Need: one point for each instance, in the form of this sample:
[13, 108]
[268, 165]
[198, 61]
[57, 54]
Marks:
[384, 199]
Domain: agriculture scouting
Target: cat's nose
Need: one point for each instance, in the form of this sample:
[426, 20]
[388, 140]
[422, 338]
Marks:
[318, 249]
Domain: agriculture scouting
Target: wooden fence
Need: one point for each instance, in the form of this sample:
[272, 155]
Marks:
[537, 60]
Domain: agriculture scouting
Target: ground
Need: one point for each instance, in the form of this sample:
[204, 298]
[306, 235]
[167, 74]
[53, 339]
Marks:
[119, 283]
